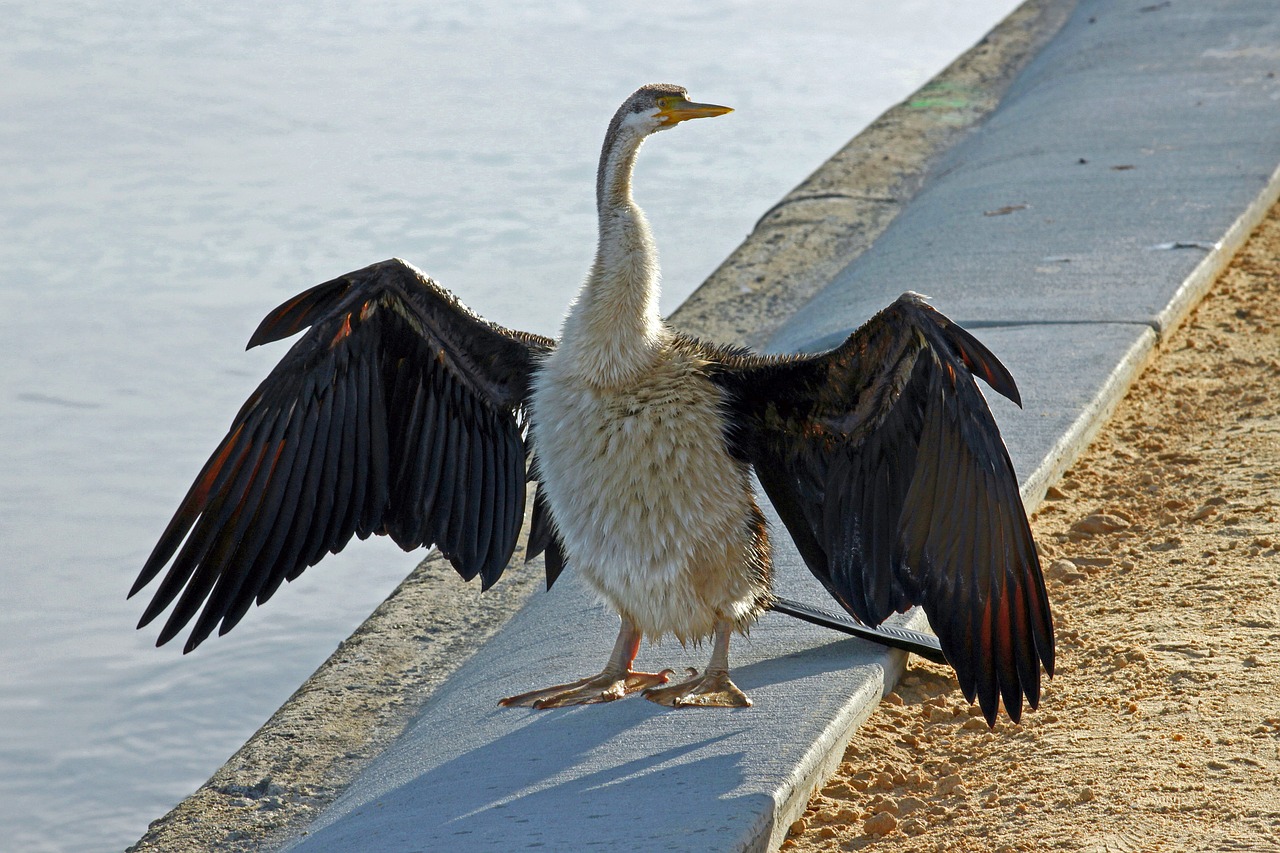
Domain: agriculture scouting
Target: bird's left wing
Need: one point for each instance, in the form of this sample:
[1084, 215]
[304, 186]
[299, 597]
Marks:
[398, 412]
[887, 468]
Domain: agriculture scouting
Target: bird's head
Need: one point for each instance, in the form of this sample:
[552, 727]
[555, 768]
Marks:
[659, 106]
[651, 108]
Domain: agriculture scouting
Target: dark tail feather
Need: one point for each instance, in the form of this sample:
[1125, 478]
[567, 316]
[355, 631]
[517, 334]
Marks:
[916, 642]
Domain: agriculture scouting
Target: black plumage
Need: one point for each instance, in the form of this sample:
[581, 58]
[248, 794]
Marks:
[399, 412]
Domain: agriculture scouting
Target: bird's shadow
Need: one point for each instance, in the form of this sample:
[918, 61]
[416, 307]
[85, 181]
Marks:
[468, 773]
[559, 780]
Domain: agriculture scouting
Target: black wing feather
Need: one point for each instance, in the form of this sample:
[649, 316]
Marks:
[887, 468]
[398, 412]
[544, 540]
[294, 516]
[253, 527]
[414, 489]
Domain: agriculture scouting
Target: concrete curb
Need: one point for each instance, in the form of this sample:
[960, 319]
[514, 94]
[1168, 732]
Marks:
[1098, 411]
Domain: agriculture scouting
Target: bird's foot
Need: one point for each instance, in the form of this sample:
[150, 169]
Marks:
[605, 687]
[710, 690]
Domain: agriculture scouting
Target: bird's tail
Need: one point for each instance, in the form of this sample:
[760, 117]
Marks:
[916, 642]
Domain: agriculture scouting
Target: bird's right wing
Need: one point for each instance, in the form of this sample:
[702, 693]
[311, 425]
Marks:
[399, 412]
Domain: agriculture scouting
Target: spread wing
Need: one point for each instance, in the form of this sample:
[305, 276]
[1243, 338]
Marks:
[887, 468]
[399, 412]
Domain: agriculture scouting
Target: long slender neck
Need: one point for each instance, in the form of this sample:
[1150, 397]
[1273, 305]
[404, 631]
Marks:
[613, 329]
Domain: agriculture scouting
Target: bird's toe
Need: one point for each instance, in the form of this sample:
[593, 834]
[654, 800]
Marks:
[712, 690]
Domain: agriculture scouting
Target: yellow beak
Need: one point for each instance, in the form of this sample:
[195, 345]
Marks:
[680, 109]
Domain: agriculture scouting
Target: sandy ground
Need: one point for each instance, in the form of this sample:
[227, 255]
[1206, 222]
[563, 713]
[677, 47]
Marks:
[1161, 729]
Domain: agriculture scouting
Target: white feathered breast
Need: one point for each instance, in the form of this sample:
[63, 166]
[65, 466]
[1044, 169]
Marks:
[648, 503]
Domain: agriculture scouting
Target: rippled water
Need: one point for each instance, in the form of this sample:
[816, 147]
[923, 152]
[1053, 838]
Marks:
[169, 172]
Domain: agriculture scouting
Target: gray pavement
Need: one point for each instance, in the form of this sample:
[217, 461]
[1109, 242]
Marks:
[1068, 270]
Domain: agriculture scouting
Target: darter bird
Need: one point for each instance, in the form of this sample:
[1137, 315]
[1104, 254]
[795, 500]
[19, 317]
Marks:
[400, 412]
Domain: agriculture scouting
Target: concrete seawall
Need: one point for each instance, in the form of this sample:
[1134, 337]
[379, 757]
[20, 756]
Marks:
[1067, 194]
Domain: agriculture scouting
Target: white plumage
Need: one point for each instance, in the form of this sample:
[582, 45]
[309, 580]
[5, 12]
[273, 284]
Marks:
[649, 505]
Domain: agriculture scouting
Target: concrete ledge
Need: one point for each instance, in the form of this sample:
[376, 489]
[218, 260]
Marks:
[738, 779]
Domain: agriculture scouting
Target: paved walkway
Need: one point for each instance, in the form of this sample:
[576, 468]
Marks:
[1087, 214]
